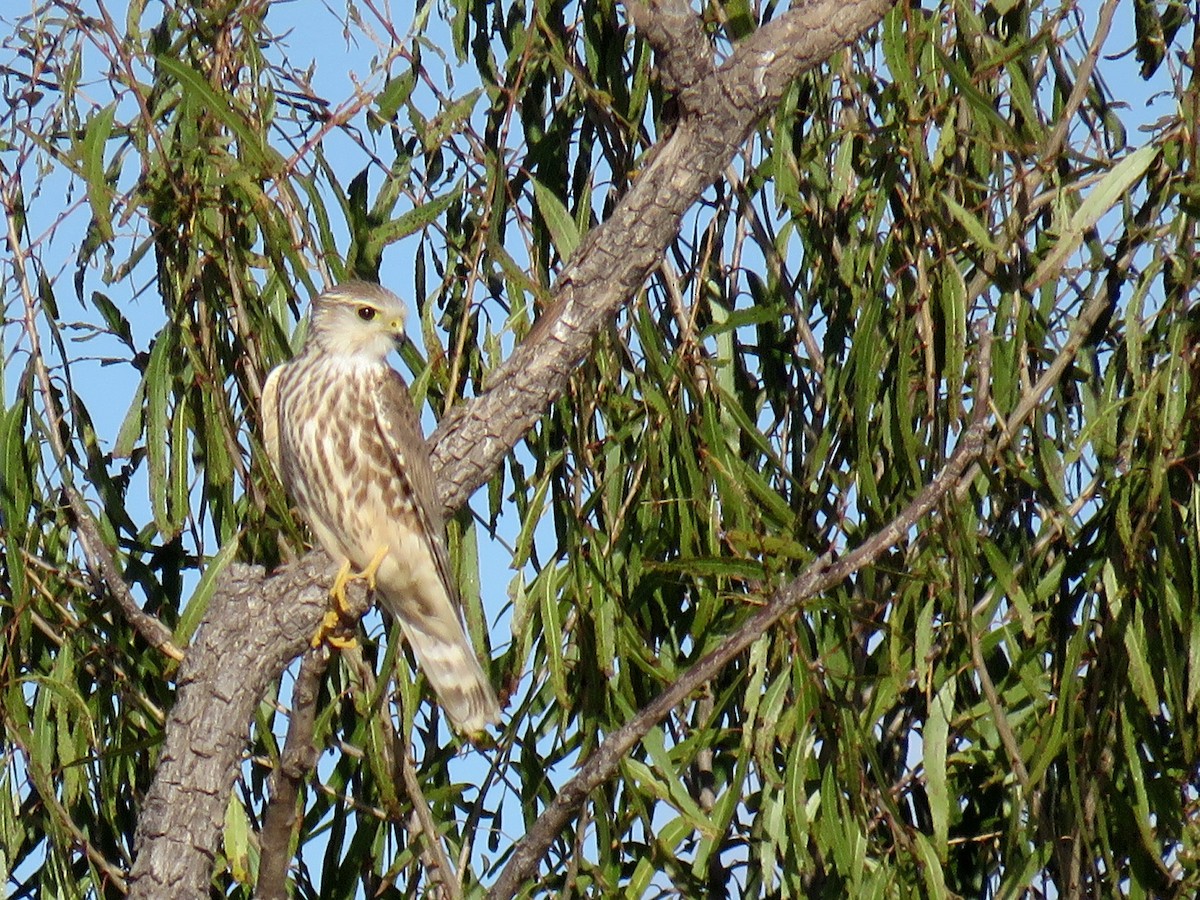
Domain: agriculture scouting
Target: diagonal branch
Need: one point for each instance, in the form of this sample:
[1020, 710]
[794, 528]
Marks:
[822, 575]
[615, 258]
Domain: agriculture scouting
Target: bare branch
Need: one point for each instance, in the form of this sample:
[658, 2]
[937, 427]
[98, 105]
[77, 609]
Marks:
[446, 883]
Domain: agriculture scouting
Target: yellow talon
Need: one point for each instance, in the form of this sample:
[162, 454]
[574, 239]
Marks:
[332, 631]
[333, 626]
[373, 567]
[338, 591]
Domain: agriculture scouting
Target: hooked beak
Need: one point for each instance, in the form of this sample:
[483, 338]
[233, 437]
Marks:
[396, 330]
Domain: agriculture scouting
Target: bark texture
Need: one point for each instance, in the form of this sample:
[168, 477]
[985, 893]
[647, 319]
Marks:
[255, 626]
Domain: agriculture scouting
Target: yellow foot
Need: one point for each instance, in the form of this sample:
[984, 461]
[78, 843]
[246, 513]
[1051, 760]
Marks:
[334, 631]
[334, 627]
[373, 567]
[338, 592]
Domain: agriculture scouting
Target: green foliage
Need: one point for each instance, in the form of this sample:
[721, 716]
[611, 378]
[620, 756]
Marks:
[1005, 703]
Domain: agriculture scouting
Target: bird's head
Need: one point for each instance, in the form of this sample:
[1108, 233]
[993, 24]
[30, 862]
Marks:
[357, 319]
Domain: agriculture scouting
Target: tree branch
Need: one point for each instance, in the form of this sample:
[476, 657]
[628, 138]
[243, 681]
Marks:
[256, 625]
[298, 757]
[254, 628]
[684, 54]
[615, 258]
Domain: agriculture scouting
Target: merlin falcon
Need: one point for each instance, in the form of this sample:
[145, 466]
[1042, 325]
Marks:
[345, 440]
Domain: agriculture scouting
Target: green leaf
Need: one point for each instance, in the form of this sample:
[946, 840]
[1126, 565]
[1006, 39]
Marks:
[239, 849]
[416, 219]
[974, 228]
[1112, 187]
[449, 121]
[180, 460]
[99, 191]
[253, 147]
[935, 739]
[980, 104]
[159, 388]
[552, 626]
[563, 232]
[672, 781]
[196, 607]
[394, 95]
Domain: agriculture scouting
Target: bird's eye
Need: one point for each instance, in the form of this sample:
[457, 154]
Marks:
[366, 313]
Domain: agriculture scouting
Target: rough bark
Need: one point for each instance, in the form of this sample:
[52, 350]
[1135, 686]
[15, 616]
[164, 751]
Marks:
[257, 624]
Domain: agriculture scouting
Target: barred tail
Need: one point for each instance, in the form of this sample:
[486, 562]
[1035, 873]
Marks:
[457, 678]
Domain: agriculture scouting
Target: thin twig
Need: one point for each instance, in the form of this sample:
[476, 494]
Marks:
[1092, 312]
[1012, 747]
[59, 814]
[397, 758]
[443, 870]
[97, 553]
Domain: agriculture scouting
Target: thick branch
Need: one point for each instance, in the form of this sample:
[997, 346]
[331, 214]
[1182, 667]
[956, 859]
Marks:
[254, 628]
[256, 625]
[614, 259]
[684, 55]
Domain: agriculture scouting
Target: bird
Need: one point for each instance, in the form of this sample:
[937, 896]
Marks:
[344, 438]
